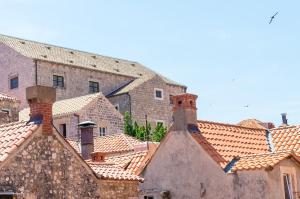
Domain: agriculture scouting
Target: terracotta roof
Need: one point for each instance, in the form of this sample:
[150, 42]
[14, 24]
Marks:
[67, 106]
[233, 140]
[286, 138]
[261, 161]
[4, 96]
[12, 135]
[56, 54]
[208, 148]
[112, 172]
[75, 144]
[115, 143]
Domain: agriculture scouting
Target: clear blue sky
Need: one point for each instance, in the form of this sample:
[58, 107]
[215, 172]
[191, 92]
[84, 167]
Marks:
[224, 51]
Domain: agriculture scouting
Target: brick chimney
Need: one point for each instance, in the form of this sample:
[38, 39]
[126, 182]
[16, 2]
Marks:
[87, 138]
[98, 157]
[40, 100]
[185, 112]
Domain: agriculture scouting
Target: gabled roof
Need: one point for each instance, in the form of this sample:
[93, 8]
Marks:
[262, 161]
[76, 58]
[67, 106]
[287, 138]
[233, 140]
[12, 135]
[115, 143]
[6, 97]
[112, 172]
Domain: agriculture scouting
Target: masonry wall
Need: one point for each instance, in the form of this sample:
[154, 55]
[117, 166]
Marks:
[183, 168]
[143, 102]
[13, 64]
[44, 168]
[13, 107]
[119, 189]
[77, 79]
[123, 101]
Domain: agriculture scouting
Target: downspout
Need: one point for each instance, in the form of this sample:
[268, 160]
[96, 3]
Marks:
[36, 75]
[78, 121]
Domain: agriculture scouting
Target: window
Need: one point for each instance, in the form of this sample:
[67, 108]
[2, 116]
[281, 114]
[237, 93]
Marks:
[158, 94]
[287, 184]
[63, 129]
[58, 81]
[102, 131]
[117, 107]
[171, 100]
[14, 82]
[148, 197]
[93, 87]
[6, 196]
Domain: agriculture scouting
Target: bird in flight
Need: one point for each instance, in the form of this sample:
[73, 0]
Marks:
[246, 106]
[272, 18]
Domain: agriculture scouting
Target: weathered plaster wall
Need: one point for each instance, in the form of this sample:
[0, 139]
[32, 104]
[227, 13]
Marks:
[143, 102]
[182, 167]
[44, 168]
[111, 189]
[14, 64]
[77, 79]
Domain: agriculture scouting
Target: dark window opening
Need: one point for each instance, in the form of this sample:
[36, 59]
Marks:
[63, 129]
[148, 197]
[14, 82]
[93, 87]
[6, 196]
[58, 81]
[158, 94]
[102, 131]
[287, 186]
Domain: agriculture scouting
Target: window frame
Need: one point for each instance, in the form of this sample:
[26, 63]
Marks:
[63, 129]
[10, 82]
[101, 132]
[291, 172]
[56, 83]
[92, 85]
[162, 93]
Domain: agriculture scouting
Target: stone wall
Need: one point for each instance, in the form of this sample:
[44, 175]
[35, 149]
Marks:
[13, 64]
[143, 102]
[123, 101]
[111, 189]
[45, 168]
[77, 79]
[13, 107]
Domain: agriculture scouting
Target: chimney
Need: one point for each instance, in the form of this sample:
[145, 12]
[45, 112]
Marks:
[40, 100]
[87, 138]
[184, 112]
[98, 157]
[284, 119]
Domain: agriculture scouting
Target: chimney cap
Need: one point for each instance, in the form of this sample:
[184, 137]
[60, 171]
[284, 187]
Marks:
[41, 94]
[86, 124]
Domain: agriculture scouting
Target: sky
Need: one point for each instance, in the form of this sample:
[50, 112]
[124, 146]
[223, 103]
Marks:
[226, 52]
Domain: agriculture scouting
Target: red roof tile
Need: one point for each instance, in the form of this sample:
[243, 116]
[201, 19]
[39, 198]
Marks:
[261, 161]
[112, 172]
[233, 140]
[12, 135]
[286, 138]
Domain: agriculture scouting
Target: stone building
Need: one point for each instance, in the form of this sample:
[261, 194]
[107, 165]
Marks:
[9, 108]
[129, 85]
[37, 162]
[201, 159]
[67, 114]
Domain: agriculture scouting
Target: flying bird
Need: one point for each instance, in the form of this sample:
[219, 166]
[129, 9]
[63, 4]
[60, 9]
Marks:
[246, 106]
[272, 18]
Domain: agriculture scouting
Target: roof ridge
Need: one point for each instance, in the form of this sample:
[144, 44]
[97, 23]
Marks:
[67, 48]
[285, 127]
[231, 125]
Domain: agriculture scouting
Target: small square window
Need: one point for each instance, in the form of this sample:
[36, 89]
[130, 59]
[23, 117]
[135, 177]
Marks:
[102, 131]
[158, 94]
[14, 82]
[58, 81]
[93, 87]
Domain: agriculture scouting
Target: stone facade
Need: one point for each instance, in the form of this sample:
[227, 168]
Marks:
[13, 64]
[111, 189]
[9, 110]
[45, 168]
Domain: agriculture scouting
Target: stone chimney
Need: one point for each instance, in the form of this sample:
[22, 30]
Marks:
[185, 112]
[284, 119]
[87, 138]
[98, 157]
[40, 100]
